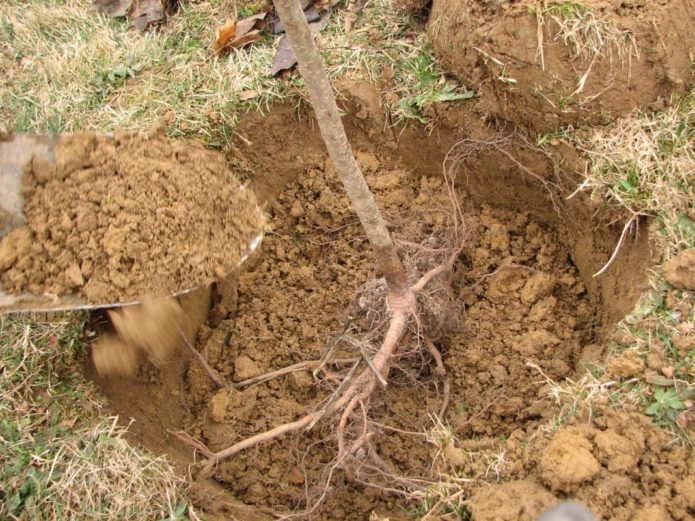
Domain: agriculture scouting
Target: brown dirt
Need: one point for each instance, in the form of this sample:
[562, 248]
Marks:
[620, 466]
[464, 31]
[680, 270]
[116, 219]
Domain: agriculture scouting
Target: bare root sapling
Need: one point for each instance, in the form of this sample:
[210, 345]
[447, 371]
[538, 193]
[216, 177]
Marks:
[399, 326]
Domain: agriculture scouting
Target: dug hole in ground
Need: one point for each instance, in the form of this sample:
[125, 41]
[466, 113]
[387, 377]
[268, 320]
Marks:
[522, 312]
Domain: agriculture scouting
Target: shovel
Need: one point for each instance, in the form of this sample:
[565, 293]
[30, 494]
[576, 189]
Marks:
[15, 153]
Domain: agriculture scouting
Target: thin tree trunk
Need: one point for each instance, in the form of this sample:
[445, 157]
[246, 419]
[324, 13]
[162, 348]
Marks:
[323, 100]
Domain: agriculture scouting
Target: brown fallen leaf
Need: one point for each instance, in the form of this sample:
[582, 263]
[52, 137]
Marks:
[225, 34]
[234, 35]
[113, 8]
[142, 13]
[311, 12]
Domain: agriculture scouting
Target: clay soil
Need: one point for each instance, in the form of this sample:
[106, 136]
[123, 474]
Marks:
[524, 312]
[114, 219]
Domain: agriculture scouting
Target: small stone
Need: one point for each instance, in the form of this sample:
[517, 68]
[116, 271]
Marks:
[218, 406]
[680, 270]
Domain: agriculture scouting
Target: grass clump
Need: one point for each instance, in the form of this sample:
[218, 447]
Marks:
[57, 460]
[644, 163]
[586, 35]
[69, 68]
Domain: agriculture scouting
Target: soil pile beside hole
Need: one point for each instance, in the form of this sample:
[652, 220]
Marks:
[118, 218]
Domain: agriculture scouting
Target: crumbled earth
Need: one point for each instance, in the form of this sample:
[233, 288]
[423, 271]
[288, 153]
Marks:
[621, 467]
[524, 304]
[680, 270]
[115, 219]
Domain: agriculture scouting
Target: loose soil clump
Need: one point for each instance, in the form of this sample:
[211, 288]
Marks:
[116, 218]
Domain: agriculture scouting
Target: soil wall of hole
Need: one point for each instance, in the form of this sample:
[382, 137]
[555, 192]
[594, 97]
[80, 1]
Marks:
[283, 146]
[495, 49]
[293, 295]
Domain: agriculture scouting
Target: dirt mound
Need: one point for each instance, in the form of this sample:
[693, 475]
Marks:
[621, 467]
[115, 219]
[543, 66]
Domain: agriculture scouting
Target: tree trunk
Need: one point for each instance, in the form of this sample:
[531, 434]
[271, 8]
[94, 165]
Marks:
[321, 93]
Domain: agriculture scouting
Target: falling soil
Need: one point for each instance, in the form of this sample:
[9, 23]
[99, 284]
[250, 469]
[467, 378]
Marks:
[116, 218]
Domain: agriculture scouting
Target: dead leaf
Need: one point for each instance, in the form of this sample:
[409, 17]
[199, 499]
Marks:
[248, 38]
[112, 8]
[312, 14]
[224, 34]
[235, 35]
[284, 56]
[142, 13]
[252, 22]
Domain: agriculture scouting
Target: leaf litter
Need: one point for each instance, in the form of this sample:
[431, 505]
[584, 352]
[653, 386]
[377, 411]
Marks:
[235, 34]
[142, 13]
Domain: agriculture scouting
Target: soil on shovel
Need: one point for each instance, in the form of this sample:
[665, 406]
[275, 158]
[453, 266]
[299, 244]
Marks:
[117, 218]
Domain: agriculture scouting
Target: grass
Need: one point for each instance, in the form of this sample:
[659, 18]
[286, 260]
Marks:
[643, 165]
[68, 68]
[58, 459]
[588, 37]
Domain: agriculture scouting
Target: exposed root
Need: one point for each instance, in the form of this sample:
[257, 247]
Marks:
[469, 148]
[630, 225]
[349, 405]
[387, 328]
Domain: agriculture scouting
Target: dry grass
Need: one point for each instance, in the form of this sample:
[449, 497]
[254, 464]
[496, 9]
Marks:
[57, 460]
[588, 37]
[68, 68]
[644, 163]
